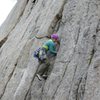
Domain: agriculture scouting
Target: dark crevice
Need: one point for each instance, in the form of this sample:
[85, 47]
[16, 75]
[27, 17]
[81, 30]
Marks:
[72, 82]
[3, 41]
[82, 81]
[86, 32]
[28, 96]
[37, 19]
[20, 16]
[58, 17]
[81, 86]
[55, 24]
[62, 77]
[79, 92]
[93, 50]
[15, 64]
[97, 30]
[34, 1]
[30, 45]
[31, 84]
[92, 54]
[27, 1]
[76, 91]
[54, 27]
[9, 77]
[42, 91]
[98, 27]
[79, 30]
[59, 83]
[78, 35]
[27, 93]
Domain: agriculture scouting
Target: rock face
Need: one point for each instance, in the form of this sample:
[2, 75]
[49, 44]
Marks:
[75, 73]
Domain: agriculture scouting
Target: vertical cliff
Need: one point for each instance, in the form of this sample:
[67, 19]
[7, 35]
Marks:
[75, 72]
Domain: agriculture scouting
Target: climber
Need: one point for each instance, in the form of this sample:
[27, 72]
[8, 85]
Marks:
[47, 51]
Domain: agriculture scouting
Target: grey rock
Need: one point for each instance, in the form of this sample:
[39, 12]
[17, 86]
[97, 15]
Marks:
[74, 73]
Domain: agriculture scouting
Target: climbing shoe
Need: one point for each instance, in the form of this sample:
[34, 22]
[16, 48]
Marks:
[44, 76]
[39, 77]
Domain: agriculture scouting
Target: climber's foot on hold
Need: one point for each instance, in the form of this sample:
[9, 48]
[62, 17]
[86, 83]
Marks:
[44, 76]
[39, 77]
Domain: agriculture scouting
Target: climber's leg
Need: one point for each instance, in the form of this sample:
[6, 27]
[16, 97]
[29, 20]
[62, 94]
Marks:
[43, 68]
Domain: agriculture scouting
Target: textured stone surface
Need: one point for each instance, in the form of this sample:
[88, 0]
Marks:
[75, 74]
